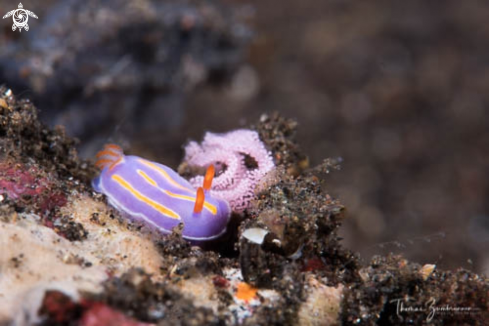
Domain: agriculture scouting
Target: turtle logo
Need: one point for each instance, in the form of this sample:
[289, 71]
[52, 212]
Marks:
[20, 16]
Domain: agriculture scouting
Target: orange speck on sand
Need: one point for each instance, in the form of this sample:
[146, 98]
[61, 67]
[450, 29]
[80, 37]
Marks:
[245, 291]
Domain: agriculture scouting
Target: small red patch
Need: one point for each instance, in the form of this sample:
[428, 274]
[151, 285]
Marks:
[30, 186]
[56, 199]
[313, 264]
[220, 281]
[99, 314]
[58, 308]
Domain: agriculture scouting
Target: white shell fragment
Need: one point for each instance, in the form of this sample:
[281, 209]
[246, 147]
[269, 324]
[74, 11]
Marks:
[427, 270]
[255, 235]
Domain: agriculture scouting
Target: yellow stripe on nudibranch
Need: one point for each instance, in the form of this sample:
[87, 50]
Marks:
[211, 208]
[147, 178]
[165, 175]
[157, 206]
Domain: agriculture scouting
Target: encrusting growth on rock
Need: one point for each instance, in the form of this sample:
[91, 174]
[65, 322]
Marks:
[283, 265]
[241, 160]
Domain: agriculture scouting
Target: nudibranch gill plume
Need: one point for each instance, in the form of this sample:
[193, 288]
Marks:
[156, 195]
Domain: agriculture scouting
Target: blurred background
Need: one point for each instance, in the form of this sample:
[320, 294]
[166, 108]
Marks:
[398, 89]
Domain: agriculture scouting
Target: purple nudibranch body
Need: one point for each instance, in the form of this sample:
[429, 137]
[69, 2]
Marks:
[157, 196]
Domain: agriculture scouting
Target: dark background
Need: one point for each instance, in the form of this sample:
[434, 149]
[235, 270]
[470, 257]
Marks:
[398, 89]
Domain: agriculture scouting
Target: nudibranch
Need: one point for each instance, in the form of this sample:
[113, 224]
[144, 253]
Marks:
[156, 195]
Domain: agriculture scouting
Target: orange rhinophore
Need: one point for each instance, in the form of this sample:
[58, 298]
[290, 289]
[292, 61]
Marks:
[209, 176]
[199, 200]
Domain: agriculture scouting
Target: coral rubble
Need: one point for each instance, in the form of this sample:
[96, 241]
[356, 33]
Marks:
[69, 258]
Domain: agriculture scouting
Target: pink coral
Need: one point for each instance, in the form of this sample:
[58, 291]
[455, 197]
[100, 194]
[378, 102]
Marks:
[241, 161]
[100, 314]
[30, 185]
[60, 309]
